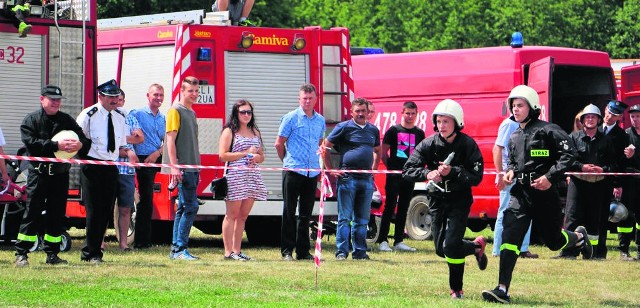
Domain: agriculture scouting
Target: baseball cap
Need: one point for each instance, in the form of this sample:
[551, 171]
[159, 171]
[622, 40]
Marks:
[52, 92]
[109, 88]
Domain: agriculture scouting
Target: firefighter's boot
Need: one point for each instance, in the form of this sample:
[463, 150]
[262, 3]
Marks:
[24, 29]
[623, 246]
[22, 261]
[53, 259]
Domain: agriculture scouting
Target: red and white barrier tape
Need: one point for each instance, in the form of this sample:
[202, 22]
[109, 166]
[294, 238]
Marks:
[129, 164]
[325, 191]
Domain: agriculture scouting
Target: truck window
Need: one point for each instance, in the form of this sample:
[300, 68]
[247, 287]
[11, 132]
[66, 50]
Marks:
[575, 87]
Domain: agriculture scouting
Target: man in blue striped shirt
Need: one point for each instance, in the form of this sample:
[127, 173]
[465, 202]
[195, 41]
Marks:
[153, 124]
[299, 137]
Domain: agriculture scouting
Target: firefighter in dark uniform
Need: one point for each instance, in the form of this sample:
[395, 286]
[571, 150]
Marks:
[629, 229]
[612, 114]
[451, 200]
[105, 125]
[47, 132]
[587, 193]
[539, 155]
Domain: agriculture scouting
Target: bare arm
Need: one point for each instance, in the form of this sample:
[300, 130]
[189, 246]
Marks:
[376, 157]
[3, 168]
[136, 137]
[171, 151]
[385, 153]
[497, 161]
[326, 154]
[280, 146]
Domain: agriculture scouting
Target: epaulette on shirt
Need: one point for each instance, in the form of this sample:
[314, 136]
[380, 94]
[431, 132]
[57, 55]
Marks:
[120, 112]
[92, 111]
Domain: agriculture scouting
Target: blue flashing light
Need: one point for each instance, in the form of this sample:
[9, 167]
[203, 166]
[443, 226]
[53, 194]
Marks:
[516, 40]
[204, 54]
[366, 50]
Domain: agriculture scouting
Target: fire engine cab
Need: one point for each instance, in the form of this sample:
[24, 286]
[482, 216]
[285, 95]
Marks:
[480, 79]
[266, 66]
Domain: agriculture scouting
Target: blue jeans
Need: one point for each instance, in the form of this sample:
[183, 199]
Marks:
[354, 204]
[186, 211]
[505, 197]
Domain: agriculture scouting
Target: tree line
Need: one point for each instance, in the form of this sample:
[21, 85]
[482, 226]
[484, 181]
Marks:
[417, 25]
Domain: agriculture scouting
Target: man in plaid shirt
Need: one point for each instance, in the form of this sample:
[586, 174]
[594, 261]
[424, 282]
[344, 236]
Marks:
[126, 183]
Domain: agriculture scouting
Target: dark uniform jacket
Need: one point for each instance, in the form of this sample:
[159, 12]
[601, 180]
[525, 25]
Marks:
[38, 128]
[634, 162]
[620, 141]
[467, 165]
[541, 148]
[598, 150]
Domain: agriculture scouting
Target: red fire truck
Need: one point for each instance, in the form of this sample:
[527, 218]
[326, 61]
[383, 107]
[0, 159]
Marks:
[267, 66]
[480, 79]
[60, 50]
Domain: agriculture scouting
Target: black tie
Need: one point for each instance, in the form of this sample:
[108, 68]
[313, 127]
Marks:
[111, 146]
[605, 130]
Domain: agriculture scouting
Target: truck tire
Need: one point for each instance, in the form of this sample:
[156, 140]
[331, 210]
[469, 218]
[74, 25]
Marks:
[263, 231]
[161, 231]
[65, 245]
[373, 229]
[477, 225]
[131, 234]
[419, 218]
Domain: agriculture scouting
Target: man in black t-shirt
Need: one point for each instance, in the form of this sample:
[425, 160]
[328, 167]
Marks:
[397, 145]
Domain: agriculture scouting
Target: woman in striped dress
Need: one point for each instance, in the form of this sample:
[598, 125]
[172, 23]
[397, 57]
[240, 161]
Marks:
[241, 147]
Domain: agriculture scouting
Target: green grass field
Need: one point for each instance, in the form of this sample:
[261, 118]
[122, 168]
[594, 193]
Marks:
[149, 278]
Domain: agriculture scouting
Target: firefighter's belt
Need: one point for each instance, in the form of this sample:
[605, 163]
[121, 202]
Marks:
[527, 178]
[448, 186]
[51, 168]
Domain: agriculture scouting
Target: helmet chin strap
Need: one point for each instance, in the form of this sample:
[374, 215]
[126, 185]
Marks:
[452, 133]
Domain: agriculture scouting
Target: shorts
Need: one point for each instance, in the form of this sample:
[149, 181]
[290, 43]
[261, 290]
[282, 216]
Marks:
[126, 190]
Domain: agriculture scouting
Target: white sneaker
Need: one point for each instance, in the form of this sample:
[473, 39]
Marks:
[384, 246]
[403, 247]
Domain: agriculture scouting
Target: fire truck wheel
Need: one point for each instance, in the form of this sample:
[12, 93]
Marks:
[263, 231]
[161, 231]
[373, 229]
[65, 245]
[477, 225]
[419, 219]
[131, 234]
[37, 245]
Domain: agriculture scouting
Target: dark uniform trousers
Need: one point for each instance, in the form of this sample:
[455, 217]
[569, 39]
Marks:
[295, 234]
[45, 192]
[99, 195]
[450, 212]
[628, 229]
[144, 209]
[584, 208]
[527, 204]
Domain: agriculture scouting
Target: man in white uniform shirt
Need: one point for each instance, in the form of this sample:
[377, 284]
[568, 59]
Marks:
[105, 125]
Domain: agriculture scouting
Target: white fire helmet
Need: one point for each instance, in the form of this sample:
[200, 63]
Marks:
[617, 212]
[530, 96]
[450, 108]
[65, 134]
[591, 109]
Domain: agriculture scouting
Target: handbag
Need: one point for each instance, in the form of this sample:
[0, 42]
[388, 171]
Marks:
[219, 186]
